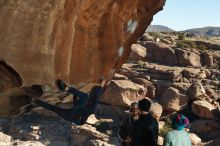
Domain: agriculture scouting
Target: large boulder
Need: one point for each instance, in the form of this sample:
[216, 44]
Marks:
[156, 110]
[5, 138]
[116, 113]
[172, 100]
[206, 129]
[78, 41]
[87, 135]
[161, 72]
[203, 109]
[147, 85]
[196, 90]
[188, 58]
[41, 127]
[119, 77]
[138, 52]
[208, 58]
[160, 52]
[204, 126]
[123, 93]
[194, 139]
[192, 73]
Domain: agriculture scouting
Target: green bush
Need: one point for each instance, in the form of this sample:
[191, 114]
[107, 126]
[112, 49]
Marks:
[202, 47]
[141, 64]
[181, 36]
[182, 44]
[192, 44]
[155, 35]
[186, 44]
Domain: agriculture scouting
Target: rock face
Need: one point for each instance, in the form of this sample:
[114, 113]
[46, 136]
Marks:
[42, 127]
[187, 58]
[173, 100]
[161, 53]
[123, 93]
[138, 52]
[196, 90]
[156, 110]
[195, 139]
[78, 41]
[203, 109]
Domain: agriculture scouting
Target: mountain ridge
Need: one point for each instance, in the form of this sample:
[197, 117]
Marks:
[208, 30]
[159, 28]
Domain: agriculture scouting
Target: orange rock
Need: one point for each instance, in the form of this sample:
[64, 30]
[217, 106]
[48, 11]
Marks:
[78, 41]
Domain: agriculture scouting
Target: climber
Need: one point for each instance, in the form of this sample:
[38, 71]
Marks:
[179, 136]
[84, 106]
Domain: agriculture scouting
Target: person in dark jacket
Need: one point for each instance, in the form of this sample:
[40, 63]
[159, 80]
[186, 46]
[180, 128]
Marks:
[146, 129]
[83, 107]
[126, 129]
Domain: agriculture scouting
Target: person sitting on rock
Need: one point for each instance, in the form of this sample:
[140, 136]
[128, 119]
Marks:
[125, 130]
[83, 107]
[179, 136]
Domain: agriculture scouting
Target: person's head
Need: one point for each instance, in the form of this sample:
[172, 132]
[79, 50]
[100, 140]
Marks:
[144, 105]
[134, 111]
[180, 122]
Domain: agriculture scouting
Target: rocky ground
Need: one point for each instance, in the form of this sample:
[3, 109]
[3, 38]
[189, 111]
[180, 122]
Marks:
[179, 73]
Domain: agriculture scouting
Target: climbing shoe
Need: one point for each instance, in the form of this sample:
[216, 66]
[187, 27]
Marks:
[61, 85]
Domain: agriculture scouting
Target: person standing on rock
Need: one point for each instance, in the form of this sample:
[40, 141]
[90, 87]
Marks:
[145, 132]
[82, 108]
[179, 136]
[126, 129]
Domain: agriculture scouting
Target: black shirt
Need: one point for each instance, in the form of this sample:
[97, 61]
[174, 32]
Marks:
[145, 132]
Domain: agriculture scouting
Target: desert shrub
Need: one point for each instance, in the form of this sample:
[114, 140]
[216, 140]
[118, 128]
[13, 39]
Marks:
[182, 44]
[202, 47]
[181, 36]
[155, 35]
[192, 44]
[140, 63]
[216, 66]
[186, 44]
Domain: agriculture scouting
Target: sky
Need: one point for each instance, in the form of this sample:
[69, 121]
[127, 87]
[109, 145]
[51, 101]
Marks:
[187, 14]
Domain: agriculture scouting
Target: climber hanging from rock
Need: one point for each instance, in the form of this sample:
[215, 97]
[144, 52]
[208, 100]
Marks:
[83, 106]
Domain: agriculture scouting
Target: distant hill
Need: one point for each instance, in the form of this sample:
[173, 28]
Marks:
[159, 28]
[209, 31]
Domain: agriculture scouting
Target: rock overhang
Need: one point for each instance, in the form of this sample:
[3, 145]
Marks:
[78, 41]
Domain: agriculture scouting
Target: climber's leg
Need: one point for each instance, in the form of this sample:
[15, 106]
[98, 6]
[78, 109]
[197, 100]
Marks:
[83, 97]
[64, 113]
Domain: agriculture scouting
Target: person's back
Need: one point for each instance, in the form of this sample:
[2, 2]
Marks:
[146, 128]
[146, 131]
[177, 138]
